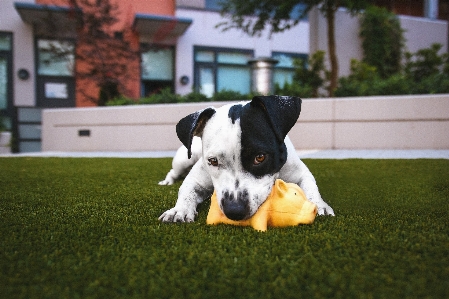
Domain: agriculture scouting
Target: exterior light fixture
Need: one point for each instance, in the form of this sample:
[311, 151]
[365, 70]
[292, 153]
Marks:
[184, 80]
[23, 74]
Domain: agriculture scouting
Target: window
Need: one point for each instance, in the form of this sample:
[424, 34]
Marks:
[213, 4]
[157, 70]
[6, 102]
[222, 69]
[285, 69]
[5, 42]
[55, 57]
[55, 63]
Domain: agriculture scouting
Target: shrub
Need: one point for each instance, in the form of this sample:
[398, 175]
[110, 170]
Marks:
[425, 72]
[310, 76]
[382, 40]
[425, 63]
[165, 96]
[295, 89]
[194, 96]
[227, 95]
[121, 101]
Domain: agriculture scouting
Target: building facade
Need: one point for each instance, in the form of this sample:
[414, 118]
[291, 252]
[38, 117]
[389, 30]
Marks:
[177, 43]
[172, 44]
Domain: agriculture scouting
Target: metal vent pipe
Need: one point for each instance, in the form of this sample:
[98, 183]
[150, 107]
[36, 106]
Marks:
[262, 75]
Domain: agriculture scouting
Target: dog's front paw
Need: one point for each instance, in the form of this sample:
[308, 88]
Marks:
[325, 209]
[166, 182]
[170, 178]
[178, 215]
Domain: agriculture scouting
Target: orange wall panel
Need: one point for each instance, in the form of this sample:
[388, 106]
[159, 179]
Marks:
[156, 7]
[126, 14]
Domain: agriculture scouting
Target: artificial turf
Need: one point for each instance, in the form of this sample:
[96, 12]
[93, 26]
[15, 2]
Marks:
[88, 228]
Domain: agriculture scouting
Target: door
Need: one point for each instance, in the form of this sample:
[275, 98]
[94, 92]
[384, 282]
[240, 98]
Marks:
[55, 73]
[54, 92]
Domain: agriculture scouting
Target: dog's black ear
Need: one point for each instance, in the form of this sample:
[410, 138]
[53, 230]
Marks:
[193, 125]
[282, 111]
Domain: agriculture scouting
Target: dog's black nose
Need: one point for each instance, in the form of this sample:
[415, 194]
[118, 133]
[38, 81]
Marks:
[234, 208]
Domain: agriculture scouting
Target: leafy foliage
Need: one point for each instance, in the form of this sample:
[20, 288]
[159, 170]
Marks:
[254, 16]
[425, 72]
[167, 96]
[382, 40]
[101, 74]
[310, 76]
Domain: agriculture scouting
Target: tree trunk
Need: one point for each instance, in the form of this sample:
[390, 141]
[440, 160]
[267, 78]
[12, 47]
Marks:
[330, 15]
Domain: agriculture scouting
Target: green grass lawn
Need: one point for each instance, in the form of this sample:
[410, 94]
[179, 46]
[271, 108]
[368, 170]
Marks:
[88, 228]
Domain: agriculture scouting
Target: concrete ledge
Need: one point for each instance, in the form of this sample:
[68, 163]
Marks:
[400, 122]
[5, 142]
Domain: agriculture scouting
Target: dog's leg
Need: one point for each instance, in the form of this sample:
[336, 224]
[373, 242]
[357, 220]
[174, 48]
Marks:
[295, 171]
[181, 165]
[196, 187]
[308, 184]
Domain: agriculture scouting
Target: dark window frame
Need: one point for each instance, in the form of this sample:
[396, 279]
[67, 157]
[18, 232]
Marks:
[144, 90]
[42, 79]
[291, 54]
[9, 111]
[215, 64]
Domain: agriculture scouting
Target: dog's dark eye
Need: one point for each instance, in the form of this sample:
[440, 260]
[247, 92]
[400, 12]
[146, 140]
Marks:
[213, 161]
[259, 159]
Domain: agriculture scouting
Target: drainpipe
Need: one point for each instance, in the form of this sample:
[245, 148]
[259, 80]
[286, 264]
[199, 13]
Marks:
[262, 75]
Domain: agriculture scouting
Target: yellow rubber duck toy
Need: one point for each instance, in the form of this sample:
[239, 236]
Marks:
[287, 205]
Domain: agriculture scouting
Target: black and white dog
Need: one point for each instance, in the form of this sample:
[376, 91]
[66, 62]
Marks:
[243, 148]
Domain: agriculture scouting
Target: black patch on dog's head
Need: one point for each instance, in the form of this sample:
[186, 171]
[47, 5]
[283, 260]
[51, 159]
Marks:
[235, 112]
[265, 122]
[193, 125]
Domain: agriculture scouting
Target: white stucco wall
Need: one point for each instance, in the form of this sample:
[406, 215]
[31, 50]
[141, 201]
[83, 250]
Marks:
[23, 52]
[202, 32]
[419, 33]
[396, 122]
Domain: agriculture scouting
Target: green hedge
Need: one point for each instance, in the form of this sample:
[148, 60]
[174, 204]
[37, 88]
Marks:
[167, 96]
[424, 72]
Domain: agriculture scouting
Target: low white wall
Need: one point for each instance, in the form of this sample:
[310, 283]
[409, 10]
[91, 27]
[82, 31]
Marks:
[400, 122]
[5, 142]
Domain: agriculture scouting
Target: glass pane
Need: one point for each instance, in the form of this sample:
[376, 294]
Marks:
[297, 13]
[234, 78]
[204, 56]
[29, 114]
[282, 76]
[29, 146]
[157, 64]
[213, 4]
[234, 58]
[285, 60]
[30, 131]
[5, 42]
[55, 58]
[207, 85]
[3, 83]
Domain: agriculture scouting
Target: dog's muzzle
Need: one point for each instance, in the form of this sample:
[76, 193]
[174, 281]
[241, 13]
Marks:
[235, 207]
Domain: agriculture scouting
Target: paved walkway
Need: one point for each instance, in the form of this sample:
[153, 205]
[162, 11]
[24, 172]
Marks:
[312, 154]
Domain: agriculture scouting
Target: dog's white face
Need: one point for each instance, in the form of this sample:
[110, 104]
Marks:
[239, 192]
[244, 150]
